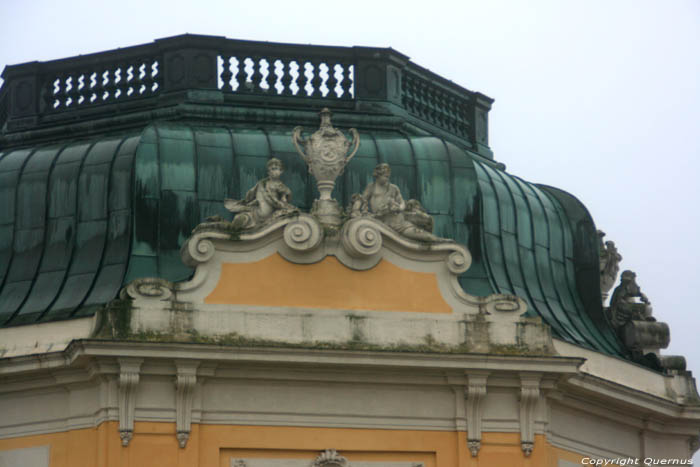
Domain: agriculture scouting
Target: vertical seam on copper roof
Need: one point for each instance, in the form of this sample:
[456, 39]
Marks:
[106, 238]
[453, 187]
[44, 241]
[537, 272]
[585, 320]
[195, 169]
[498, 216]
[549, 247]
[234, 165]
[482, 240]
[376, 150]
[378, 156]
[517, 245]
[613, 347]
[131, 228]
[270, 155]
[76, 221]
[541, 279]
[414, 164]
[160, 201]
[14, 230]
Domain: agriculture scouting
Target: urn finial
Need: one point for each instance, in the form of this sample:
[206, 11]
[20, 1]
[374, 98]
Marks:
[325, 154]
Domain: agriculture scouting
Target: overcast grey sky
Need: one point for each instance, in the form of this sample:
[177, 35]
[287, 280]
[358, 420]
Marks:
[599, 97]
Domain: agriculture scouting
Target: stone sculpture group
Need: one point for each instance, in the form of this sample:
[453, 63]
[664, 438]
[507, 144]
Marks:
[325, 154]
[380, 207]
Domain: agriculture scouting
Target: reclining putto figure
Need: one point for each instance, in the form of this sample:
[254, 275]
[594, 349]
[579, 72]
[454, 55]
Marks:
[383, 201]
[268, 199]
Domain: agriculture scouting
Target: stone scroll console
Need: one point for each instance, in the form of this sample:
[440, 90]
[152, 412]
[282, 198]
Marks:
[372, 276]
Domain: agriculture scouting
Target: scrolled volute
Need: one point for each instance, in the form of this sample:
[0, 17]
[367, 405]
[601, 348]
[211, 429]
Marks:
[149, 287]
[200, 248]
[362, 238]
[303, 233]
[458, 261]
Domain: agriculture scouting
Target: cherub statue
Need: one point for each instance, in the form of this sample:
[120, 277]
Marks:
[624, 306]
[383, 201]
[268, 199]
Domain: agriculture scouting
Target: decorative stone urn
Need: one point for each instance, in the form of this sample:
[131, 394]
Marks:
[325, 154]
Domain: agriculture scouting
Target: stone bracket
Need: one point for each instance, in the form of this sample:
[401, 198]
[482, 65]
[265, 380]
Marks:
[475, 392]
[529, 396]
[184, 394]
[129, 369]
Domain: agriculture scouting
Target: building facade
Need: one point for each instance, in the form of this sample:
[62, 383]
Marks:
[228, 253]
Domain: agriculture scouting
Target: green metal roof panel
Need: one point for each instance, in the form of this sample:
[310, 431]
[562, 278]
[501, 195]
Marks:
[68, 225]
[117, 208]
[528, 250]
[583, 269]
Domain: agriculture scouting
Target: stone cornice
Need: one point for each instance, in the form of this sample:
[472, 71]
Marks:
[19, 373]
[81, 351]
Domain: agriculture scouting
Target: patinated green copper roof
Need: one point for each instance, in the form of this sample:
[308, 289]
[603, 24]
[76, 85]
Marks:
[101, 184]
[65, 215]
[85, 218]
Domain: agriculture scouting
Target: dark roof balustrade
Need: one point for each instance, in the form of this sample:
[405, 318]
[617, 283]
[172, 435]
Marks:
[42, 94]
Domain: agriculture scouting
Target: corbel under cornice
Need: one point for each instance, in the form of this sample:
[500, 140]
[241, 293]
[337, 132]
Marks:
[475, 394]
[129, 369]
[185, 382]
[529, 396]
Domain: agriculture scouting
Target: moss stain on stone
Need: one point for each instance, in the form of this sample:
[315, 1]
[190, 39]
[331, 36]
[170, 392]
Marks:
[236, 340]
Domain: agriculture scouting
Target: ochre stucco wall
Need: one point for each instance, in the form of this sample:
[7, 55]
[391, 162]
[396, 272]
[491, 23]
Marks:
[328, 284]
[155, 445]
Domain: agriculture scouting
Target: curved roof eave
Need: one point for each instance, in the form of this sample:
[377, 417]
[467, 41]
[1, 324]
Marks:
[85, 217]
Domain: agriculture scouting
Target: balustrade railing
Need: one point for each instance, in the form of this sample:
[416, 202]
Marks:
[38, 94]
[438, 105]
[285, 75]
[105, 83]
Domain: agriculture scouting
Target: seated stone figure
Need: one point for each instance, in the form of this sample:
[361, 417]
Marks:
[624, 306]
[383, 201]
[268, 199]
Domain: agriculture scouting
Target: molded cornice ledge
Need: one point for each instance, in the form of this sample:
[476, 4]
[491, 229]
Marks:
[129, 369]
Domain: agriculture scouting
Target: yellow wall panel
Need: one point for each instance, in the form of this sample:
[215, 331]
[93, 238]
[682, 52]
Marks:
[155, 445]
[328, 284]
